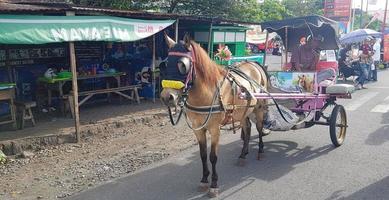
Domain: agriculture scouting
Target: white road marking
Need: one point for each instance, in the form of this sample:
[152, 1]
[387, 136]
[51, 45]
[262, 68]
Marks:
[382, 108]
[355, 104]
[377, 87]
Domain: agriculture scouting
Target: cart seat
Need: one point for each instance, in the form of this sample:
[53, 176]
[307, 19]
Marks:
[340, 89]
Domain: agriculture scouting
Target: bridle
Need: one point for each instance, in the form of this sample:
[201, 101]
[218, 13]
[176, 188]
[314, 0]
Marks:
[186, 67]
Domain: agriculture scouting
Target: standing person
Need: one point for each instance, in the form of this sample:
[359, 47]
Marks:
[376, 58]
[365, 58]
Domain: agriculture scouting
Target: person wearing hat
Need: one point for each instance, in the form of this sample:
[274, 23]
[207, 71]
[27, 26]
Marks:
[307, 55]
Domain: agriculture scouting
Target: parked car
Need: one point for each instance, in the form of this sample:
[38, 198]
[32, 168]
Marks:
[260, 47]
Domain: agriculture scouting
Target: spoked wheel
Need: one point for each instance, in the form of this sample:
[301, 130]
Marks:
[338, 125]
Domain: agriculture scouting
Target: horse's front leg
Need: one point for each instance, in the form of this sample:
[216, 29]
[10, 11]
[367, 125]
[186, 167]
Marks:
[202, 139]
[245, 135]
[215, 133]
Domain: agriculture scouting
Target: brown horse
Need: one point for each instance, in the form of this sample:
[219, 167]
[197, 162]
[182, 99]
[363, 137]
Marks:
[213, 100]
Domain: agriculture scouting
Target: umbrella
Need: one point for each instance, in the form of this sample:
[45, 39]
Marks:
[358, 36]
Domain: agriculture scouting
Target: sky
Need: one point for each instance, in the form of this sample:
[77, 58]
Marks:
[379, 5]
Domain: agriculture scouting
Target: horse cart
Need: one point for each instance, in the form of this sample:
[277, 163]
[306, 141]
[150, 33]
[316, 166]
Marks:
[311, 99]
[211, 96]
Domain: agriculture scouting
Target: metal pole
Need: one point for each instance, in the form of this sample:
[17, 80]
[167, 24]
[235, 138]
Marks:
[210, 40]
[286, 45]
[353, 17]
[384, 23]
[360, 15]
[73, 68]
[153, 68]
[176, 30]
[266, 44]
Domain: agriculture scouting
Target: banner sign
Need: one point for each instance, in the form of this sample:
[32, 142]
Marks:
[338, 10]
[30, 29]
[386, 48]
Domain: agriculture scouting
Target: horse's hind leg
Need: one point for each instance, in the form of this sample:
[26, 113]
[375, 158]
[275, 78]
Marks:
[259, 114]
[202, 140]
[245, 135]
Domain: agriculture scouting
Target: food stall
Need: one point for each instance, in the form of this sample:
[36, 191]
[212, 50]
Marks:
[30, 39]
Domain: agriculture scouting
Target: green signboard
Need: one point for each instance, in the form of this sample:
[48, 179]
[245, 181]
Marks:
[32, 29]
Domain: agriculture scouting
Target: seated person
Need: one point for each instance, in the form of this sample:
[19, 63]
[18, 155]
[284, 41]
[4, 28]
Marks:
[276, 50]
[307, 56]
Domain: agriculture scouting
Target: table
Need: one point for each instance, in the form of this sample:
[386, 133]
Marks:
[7, 93]
[61, 82]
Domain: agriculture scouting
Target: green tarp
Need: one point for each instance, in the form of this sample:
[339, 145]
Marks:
[30, 29]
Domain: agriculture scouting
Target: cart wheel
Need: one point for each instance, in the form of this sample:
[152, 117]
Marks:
[338, 125]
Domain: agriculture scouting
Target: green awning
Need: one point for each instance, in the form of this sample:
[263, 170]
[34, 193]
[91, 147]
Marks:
[32, 29]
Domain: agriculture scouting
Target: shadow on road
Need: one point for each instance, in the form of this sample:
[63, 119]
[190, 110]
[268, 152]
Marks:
[377, 190]
[179, 179]
[381, 135]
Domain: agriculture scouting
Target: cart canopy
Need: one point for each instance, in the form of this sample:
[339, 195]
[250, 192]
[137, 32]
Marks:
[32, 29]
[302, 27]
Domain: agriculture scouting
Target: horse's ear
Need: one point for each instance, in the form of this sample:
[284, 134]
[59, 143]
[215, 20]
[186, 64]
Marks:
[187, 41]
[170, 42]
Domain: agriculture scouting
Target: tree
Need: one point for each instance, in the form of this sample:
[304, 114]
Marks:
[374, 25]
[243, 10]
[298, 8]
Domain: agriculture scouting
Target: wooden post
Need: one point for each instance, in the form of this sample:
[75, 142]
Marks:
[153, 69]
[75, 89]
[266, 44]
[72, 55]
[210, 41]
[176, 30]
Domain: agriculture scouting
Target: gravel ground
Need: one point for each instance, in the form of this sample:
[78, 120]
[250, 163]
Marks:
[107, 151]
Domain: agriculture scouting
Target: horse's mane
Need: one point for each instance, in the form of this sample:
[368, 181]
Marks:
[205, 67]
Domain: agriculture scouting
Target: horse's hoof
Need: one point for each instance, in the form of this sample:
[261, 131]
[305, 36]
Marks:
[213, 192]
[203, 187]
[241, 162]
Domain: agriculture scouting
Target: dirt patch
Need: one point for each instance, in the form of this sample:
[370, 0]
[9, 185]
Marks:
[109, 149]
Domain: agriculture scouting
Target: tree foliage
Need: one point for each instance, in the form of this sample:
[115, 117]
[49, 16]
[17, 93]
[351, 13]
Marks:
[298, 8]
[244, 10]
[374, 25]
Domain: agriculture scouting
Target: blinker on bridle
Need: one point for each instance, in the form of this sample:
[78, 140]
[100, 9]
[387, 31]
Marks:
[184, 62]
[185, 66]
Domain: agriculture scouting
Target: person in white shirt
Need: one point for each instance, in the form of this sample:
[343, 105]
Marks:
[376, 58]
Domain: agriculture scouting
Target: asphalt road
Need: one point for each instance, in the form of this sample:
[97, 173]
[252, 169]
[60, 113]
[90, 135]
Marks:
[300, 164]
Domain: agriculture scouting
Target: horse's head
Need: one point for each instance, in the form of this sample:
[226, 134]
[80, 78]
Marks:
[179, 67]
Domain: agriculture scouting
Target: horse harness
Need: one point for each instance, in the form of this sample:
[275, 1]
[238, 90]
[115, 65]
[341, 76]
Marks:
[185, 66]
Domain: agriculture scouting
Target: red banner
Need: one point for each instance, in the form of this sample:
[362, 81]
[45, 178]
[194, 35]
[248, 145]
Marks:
[386, 47]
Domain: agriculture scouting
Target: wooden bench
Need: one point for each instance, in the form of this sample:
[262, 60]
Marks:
[134, 96]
